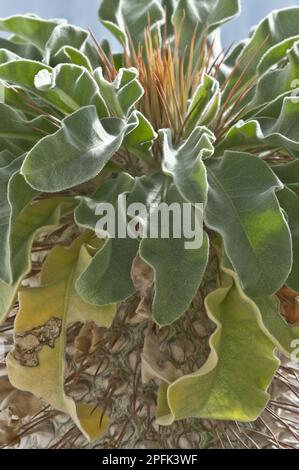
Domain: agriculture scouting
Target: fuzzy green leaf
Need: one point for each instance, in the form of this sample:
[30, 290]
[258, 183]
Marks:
[289, 201]
[121, 94]
[243, 208]
[288, 173]
[198, 15]
[67, 87]
[185, 163]
[30, 28]
[63, 35]
[204, 105]
[178, 269]
[130, 16]
[107, 279]
[24, 226]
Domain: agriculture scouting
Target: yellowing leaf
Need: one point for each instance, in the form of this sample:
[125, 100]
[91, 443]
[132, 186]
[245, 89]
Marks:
[232, 384]
[37, 362]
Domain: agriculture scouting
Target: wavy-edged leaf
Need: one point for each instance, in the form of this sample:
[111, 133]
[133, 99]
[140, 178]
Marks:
[197, 16]
[204, 105]
[51, 308]
[289, 201]
[139, 141]
[121, 94]
[233, 383]
[79, 151]
[130, 16]
[185, 163]
[18, 134]
[67, 87]
[277, 27]
[108, 277]
[277, 81]
[273, 323]
[76, 57]
[176, 282]
[63, 35]
[243, 208]
[26, 51]
[30, 28]
[279, 131]
[26, 222]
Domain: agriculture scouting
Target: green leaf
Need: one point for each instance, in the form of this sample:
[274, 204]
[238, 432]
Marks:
[276, 54]
[26, 51]
[277, 81]
[79, 151]
[197, 15]
[19, 135]
[131, 16]
[139, 140]
[121, 94]
[30, 28]
[67, 87]
[289, 201]
[233, 383]
[243, 208]
[76, 57]
[185, 163]
[26, 222]
[271, 31]
[204, 105]
[279, 131]
[108, 277]
[176, 282]
[41, 370]
[6, 157]
[63, 35]
[273, 324]
[288, 173]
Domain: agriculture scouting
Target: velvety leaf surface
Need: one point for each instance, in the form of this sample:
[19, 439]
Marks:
[130, 16]
[204, 105]
[79, 151]
[63, 35]
[122, 93]
[108, 277]
[185, 163]
[178, 270]
[198, 15]
[26, 221]
[30, 28]
[243, 208]
[289, 201]
[67, 87]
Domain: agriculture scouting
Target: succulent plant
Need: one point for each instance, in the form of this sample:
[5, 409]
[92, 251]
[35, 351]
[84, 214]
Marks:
[172, 119]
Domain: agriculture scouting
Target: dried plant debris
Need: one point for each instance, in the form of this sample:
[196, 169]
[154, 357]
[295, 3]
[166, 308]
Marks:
[29, 343]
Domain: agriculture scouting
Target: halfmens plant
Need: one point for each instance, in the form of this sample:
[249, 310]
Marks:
[170, 119]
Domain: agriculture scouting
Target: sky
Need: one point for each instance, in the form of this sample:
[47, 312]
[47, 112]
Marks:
[84, 13]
